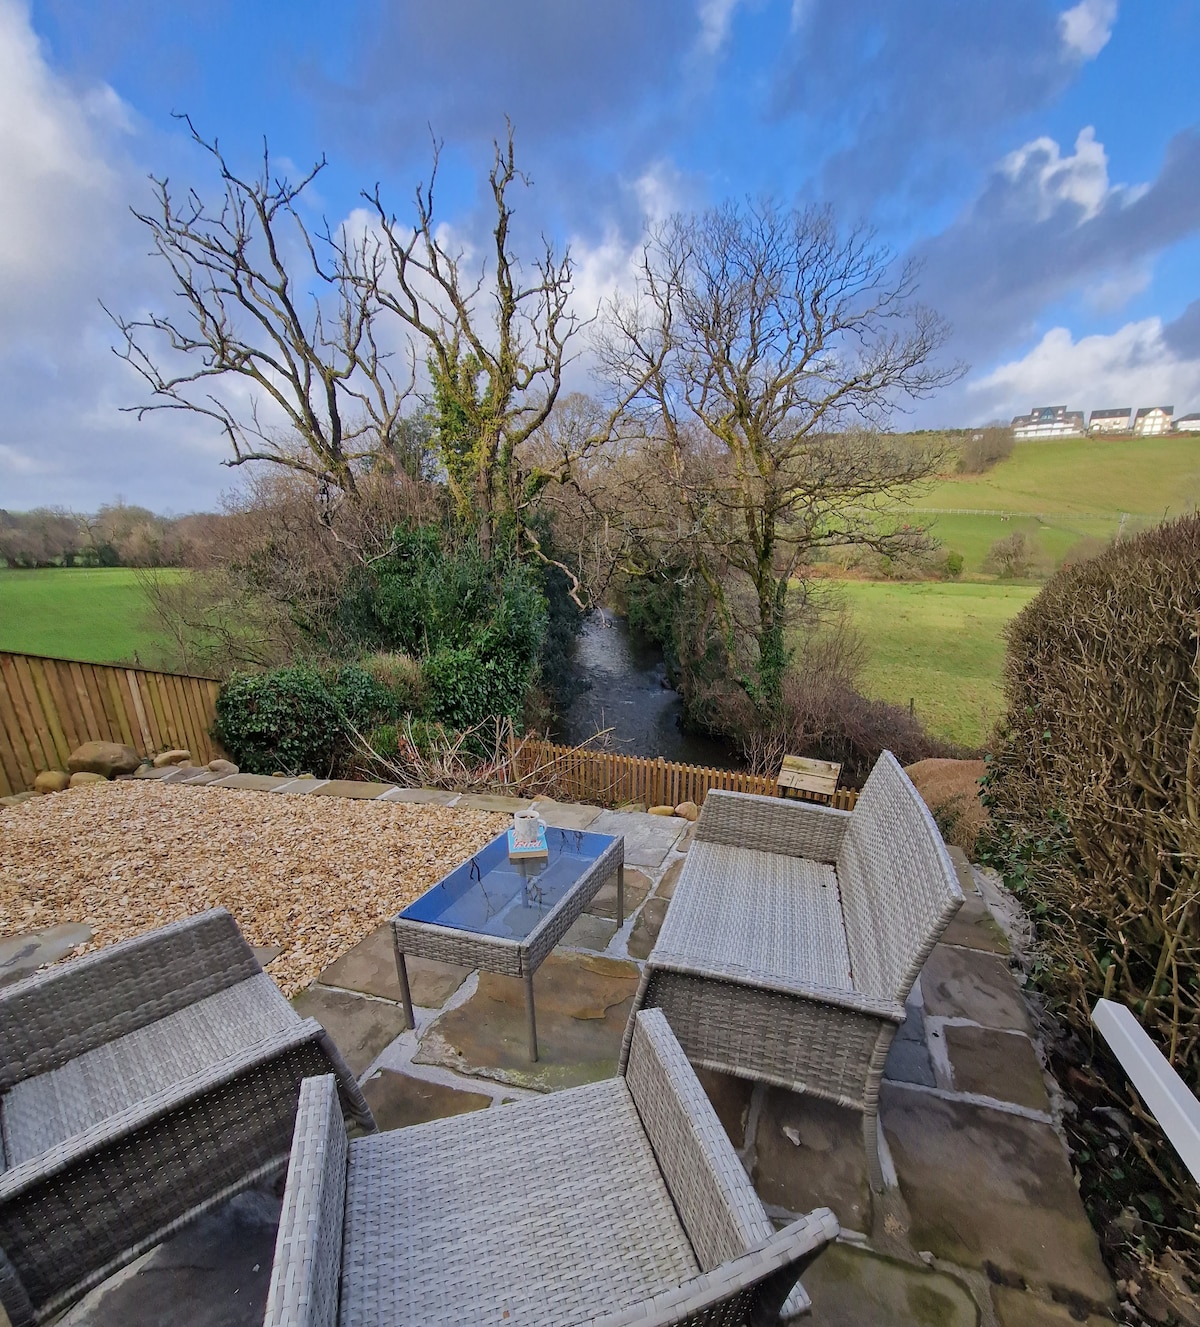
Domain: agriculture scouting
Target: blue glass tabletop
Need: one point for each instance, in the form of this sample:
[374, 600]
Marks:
[491, 895]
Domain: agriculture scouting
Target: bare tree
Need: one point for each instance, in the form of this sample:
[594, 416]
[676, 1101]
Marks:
[496, 341]
[268, 306]
[770, 346]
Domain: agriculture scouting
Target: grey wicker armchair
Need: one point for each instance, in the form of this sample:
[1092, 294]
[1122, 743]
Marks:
[617, 1203]
[795, 935]
[141, 1085]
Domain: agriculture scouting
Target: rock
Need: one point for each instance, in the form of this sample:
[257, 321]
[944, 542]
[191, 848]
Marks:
[177, 757]
[17, 798]
[688, 811]
[104, 758]
[223, 767]
[80, 777]
[662, 810]
[51, 781]
[632, 806]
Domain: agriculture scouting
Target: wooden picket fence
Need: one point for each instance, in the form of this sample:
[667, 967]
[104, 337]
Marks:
[605, 778]
[48, 707]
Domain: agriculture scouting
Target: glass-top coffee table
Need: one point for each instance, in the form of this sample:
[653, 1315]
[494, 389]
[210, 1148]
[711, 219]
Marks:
[506, 916]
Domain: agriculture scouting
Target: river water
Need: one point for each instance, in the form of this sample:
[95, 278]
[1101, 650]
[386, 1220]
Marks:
[626, 690]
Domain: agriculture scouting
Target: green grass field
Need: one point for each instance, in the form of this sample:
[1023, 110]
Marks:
[96, 614]
[940, 645]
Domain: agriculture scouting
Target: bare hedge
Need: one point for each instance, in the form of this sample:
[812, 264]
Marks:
[1094, 784]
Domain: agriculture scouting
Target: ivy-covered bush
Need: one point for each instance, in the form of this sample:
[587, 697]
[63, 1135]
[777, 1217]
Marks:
[300, 719]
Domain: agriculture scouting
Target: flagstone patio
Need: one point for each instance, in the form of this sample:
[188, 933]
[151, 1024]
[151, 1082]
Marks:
[983, 1224]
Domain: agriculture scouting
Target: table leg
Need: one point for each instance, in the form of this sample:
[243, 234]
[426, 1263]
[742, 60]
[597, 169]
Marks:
[620, 896]
[533, 1050]
[405, 993]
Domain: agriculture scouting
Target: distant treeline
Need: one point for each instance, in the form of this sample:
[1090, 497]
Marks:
[117, 535]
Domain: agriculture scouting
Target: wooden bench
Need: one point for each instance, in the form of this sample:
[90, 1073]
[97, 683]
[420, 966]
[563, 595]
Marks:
[808, 780]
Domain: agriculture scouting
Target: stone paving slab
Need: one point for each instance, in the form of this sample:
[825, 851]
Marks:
[588, 932]
[648, 838]
[266, 953]
[25, 953]
[425, 796]
[670, 877]
[637, 886]
[566, 815]
[360, 1028]
[974, 927]
[996, 1064]
[493, 802]
[358, 788]
[730, 1098]
[646, 928]
[259, 783]
[809, 1153]
[1019, 1308]
[962, 983]
[983, 1186]
[214, 1273]
[398, 1100]
[370, 967]
[853, 1287]
[909, 1061]
[582, 1003]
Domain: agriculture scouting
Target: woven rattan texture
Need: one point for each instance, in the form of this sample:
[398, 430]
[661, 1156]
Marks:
[308, 1251]
[508, 957]
[716, 1202]
[769, 1035]
[547, 1211]
[771, 824]
[899, 889]
[55, 1106]
[55, 1015]
[765, 914]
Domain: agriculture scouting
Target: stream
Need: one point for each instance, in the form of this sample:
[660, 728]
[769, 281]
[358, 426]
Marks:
[626, 690]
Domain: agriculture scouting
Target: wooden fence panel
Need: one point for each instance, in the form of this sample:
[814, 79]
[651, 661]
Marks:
[48, 707]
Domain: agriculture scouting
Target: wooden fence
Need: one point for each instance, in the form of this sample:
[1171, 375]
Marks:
[606, 778]
[48, 707]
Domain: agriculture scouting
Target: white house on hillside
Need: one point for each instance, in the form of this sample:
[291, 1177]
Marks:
[1110, 421]
[1188, 424]
[1152, 420]
[1048, 421]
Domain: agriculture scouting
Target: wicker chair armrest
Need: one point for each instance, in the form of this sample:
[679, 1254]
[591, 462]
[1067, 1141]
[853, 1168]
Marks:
[56, 1015]
[124, 1124]
[306, 1274]
[875, 1006]
[760, 1280]
[773, 824]
[720, 1211]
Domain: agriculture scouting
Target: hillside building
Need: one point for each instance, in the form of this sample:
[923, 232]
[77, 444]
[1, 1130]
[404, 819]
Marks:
[1188, 424]
[1153, 420]
[1048, 421]
[1110, 421]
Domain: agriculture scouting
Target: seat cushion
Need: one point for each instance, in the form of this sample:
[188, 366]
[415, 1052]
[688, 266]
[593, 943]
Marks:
[762, 914]
[52, 1107]
[545, 1212]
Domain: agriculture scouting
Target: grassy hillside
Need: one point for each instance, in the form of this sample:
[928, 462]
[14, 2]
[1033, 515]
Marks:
[940, 645]
[1151, 477]
[96, 614]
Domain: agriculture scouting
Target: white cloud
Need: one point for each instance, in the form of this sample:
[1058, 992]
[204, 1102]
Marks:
[1133, 365]
[1086, 27]
[1081, 179]
[716, 20]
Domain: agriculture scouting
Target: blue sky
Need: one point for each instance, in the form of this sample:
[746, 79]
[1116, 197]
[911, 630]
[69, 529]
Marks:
[1041, 158]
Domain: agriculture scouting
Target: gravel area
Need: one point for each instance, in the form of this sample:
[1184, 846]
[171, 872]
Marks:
[313, 875]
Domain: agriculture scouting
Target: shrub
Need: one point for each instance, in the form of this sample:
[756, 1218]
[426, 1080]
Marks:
[401, 675]
[299, 719]
[955, 562]
[1094, 789]
[1010, 556]
[984, 448]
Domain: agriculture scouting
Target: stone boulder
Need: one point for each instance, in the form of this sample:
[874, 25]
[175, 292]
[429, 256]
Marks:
[176, 757]
[662, 810]
[51, 781]
[688, 811]
[83, 776]
[103, 758]
[223, 767]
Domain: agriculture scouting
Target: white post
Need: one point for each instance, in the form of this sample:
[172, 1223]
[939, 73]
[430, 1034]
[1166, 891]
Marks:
[1166, 1094]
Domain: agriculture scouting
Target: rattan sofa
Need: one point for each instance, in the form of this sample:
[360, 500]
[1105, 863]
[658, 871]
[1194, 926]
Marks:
[795, 934]
[617, 1203]
[142, 1085]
